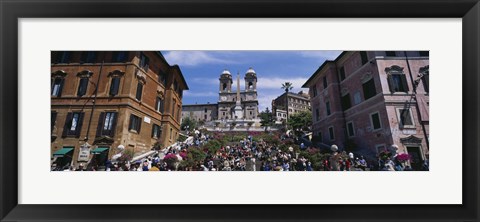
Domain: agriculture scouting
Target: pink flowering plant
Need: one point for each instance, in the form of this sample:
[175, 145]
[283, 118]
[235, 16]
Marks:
[183, 155]
[170, 159]
[403, 157]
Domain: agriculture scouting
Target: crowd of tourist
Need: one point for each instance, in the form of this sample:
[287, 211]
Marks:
[248, 155]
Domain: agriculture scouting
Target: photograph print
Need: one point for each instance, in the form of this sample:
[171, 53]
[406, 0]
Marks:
[239, 111]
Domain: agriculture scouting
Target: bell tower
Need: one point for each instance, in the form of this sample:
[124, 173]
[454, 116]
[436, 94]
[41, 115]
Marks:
[250, 80]
[225, 81]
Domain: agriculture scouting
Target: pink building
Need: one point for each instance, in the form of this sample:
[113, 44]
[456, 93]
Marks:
[367, 101]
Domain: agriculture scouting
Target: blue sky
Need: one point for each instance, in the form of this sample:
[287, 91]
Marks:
[202, 70]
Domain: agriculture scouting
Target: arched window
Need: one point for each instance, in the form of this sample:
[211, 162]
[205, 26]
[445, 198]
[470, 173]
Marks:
[397, 80]
[142, 80]
[115, 82]
[58, 80]
[83, 82]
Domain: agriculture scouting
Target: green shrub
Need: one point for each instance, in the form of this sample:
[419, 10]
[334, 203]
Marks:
[213, 146]
[182, 138]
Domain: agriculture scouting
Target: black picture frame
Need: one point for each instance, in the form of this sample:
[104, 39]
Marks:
[11, 11]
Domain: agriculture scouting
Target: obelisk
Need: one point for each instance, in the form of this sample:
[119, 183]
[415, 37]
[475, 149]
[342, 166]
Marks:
[238, 104]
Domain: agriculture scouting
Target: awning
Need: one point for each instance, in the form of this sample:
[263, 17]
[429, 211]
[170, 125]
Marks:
[62, 152]
[98, 150]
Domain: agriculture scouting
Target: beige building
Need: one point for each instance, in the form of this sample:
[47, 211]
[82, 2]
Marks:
[200, 112]
[297, 102]
[137, 104]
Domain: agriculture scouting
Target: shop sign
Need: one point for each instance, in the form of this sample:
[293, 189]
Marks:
[84, 153]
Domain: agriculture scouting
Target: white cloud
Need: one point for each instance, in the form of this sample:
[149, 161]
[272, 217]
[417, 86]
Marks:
[203, 81]
[276, 83]
[193, 58]
[330, 55]
[215, 81]
[265, 100]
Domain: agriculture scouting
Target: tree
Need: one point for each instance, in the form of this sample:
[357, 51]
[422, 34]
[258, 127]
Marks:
[287, 86]
[301, 120]
[187, 121]
[266, 118]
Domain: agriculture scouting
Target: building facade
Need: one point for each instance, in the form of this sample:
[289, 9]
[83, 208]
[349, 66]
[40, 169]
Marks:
[371, 101]
[104, 100]
[200, 112]
[232, 104]
[227, 102]
[297, 102]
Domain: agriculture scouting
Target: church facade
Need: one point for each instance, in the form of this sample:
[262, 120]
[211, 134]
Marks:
[233, 104]
[238, 104]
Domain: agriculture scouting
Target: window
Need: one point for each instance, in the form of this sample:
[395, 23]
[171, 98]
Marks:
[138, 95]
[325, 82]
[357, 98]
[350, 129]
[364, 57]
[342, 73]
[205, 117]
[175, 85]
[327, 105]
[331, 133]
[53, 119]
[314, 90]
[405, 117]
[346, 103]
[179, 110]
[397, 82]
[320, 137]
[162, 77]
[156, 131]
[317, 114]
[375, 120]
[380, 148]
[425, 82]
[82, 86]
[171, 133]
[159, 104]
[135, 123]
[73, 124]
[88, 57]
[106, 124]
[119, 56]
[369, 89]
[424, 53]
[390, 53]
[57, 86]
[173, 108]
[114, 85]
[223, 113]
[144, 62]
[424, 73]
[61, 57]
